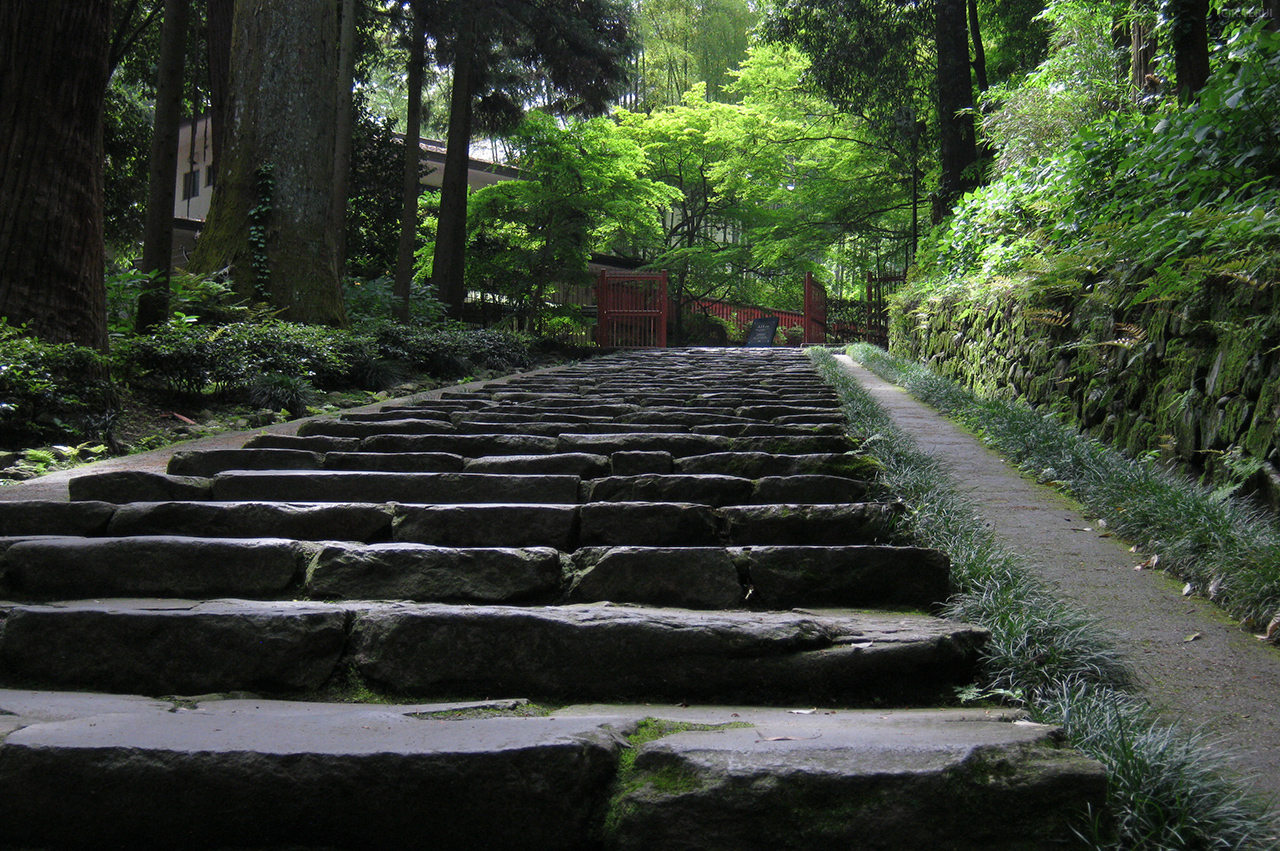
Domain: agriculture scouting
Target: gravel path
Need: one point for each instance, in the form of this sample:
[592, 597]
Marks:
[1194, 662]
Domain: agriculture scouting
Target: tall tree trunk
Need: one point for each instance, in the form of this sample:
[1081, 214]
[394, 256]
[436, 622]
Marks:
[957, 150]
[1190, 42]
[979, 53]
[157, 235]
[271, 219]
[53, 79]
[220, 16]
[1142, 55]
[343, 128]
[403, 282]
[1271, 11]
[449, 267]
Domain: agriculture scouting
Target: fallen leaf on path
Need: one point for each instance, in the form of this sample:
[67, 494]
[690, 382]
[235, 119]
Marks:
[1194, 636]
[802, 711]
[1188, 590]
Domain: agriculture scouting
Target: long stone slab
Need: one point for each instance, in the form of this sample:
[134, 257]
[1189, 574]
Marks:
[254, 773]
[352, 486]
[302, 521]
[495, 525]
[568, 463]
[685, 577]
[755, 465]
[706, 489]
[171, 646]
[817, 525]
[425, 573]
[466, 445]
[646, 524]
[598, 652]
[395, 462]
[365, 428]
[854, 576]
[121, 486]
[209, 462]
[37, 517]
[166, 566]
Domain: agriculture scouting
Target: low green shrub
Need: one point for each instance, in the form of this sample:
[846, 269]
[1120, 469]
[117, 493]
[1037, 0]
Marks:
[50, 391]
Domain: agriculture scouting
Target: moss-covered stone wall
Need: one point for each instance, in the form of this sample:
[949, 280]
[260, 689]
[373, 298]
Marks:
[1197, 380]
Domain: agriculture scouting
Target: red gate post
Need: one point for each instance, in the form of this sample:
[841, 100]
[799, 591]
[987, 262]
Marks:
[664, 310]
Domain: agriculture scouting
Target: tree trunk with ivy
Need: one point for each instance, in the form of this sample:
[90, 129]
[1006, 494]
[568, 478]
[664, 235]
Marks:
[53, 78]
[271, 219]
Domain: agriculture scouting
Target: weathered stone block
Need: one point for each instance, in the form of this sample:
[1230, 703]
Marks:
[641, 463]
[173, 646]
[395, 462]
[648, 524]
[498, 525]
[566, 463]
[163, 566]
[892, 782]
[814, 525]
[435, 574]
[847, 577]
[705, 489]
[210, 462]
[297, 520]
[808, 489]
[36, 517]
[352, 486]
[599, 652]
[124, 486]
[685, 577]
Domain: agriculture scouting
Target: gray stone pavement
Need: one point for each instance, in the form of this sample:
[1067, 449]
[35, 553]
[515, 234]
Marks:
[1223, 682]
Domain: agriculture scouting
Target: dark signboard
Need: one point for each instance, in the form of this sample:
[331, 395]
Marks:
[762, 332]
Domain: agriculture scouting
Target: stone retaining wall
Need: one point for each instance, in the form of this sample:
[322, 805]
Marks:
[1196, 380]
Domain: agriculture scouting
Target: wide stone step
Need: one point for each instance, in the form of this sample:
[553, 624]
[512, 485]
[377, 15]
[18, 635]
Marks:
[462, 776]
[591, 652]
[358, 486]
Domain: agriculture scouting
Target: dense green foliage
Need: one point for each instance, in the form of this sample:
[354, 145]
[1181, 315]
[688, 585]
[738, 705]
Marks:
[1165, 790]
[1142, 203]
[48, 391]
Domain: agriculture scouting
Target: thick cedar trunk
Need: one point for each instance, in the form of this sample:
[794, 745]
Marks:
[275, 178]
[1271, 12]
[412, 187]
[1190, 47]
[957, 150]
[343, 130]
[157, 236]
[53, 78]
[448, 268]
[219, 13]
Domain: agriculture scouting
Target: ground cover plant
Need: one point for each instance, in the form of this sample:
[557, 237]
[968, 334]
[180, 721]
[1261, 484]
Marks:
[1164, 791]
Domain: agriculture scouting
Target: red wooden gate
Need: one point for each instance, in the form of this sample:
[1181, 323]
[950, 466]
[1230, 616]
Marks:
[632, 309]
[877, 330]
[815, 311]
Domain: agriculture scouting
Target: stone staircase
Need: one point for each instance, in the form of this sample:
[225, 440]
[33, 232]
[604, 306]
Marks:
[681, 535]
